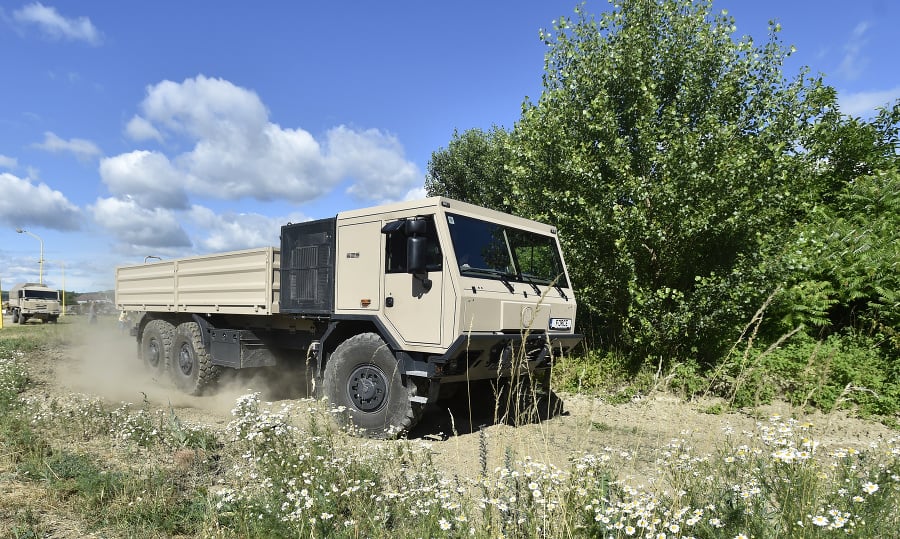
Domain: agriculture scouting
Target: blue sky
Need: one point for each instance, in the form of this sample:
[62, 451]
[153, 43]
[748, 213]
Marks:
[170, 128]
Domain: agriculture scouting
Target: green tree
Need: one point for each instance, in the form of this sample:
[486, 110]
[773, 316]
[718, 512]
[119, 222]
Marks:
[670, 156]
[844, 261]
[473, 169]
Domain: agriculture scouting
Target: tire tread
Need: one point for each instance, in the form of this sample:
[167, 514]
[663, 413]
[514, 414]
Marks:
[208, 373]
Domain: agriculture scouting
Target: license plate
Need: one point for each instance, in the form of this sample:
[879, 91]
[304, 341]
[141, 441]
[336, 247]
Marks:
[560, 323]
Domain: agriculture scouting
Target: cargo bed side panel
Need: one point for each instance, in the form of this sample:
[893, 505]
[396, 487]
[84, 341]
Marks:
[239, 282]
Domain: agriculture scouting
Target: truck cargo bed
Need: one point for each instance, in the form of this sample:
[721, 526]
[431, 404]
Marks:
[238, 282]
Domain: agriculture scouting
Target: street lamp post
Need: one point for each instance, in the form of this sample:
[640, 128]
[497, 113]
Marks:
[41, 260]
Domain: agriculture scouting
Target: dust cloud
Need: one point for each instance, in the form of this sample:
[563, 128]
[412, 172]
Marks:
[104, 361]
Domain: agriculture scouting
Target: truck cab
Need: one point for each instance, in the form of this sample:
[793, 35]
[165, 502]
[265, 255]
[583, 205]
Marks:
[34, 300]
[457, 292]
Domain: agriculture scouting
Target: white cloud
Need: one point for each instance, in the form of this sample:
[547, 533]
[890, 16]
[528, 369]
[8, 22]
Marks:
[81, 148]
[140, 129]
[863, 104]
[137, 227]
[23, 204]
[237, 152]
[233, 151]
[375, 160]
[8, 162]
[204, 107]
[233, 231]
[146, 177]
[415, 194]
[854, 62]
[55, 26]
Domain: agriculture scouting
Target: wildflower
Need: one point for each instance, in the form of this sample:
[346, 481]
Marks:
[870, 488]
[630, 530]
[444, 524]
[741, 536]
[820, 521]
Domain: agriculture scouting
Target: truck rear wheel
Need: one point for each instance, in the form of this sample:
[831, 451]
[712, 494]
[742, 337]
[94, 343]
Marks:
[156, 345]
[190, 364]
[363, 376]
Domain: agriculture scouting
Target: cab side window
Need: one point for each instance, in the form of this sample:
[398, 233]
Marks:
[395, 249]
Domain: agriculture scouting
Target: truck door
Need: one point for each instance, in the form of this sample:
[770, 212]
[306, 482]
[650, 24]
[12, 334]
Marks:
[413, 303]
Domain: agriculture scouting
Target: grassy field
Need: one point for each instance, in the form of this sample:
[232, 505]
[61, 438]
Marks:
[75, 465]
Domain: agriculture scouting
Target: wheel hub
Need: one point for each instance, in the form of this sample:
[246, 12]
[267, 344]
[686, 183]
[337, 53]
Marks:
[367, 388]
[153, 353]
[186, 360]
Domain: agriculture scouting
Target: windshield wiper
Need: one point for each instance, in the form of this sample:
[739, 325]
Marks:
[560, 290]
[525, 277]
[501, 276]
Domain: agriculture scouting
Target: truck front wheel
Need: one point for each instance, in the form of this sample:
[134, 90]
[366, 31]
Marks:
[156, 345]
[363, 376]
[190, 364]
[15, 317]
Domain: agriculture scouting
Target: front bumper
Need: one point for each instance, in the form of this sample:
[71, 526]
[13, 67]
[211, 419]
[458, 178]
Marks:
[496, 355]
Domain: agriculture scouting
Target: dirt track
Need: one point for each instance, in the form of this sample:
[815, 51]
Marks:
[102, 362]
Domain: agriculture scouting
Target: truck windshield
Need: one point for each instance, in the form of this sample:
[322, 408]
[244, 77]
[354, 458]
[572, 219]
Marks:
[494, 251]
[41, 294]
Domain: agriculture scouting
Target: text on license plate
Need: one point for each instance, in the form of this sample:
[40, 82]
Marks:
[560, 323]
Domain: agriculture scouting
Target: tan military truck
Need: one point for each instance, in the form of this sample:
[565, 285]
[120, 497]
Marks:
[33, 300]
[391, 307]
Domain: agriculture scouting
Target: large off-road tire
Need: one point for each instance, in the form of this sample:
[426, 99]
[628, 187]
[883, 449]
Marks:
[52, 319]
[22, 319]
[156, 345]
[363, 376]
[15, 317]
[190, 364]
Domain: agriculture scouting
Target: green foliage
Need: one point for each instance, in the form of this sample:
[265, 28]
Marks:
[845, 263]
[664, 150]
[73, 474]
[667, 154]
[842, 371]
[781, 486]
[473, 168]
[591, 374]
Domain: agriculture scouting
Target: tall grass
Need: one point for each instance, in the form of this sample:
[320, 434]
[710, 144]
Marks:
[288, 471]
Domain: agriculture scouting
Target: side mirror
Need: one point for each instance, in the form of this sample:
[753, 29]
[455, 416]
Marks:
[416, 251]
[416, 260]
[416, 227]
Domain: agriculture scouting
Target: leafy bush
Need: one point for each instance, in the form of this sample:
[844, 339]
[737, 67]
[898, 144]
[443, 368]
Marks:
[843, 371]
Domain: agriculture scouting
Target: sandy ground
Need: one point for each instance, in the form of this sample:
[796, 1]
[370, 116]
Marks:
[101, 361]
